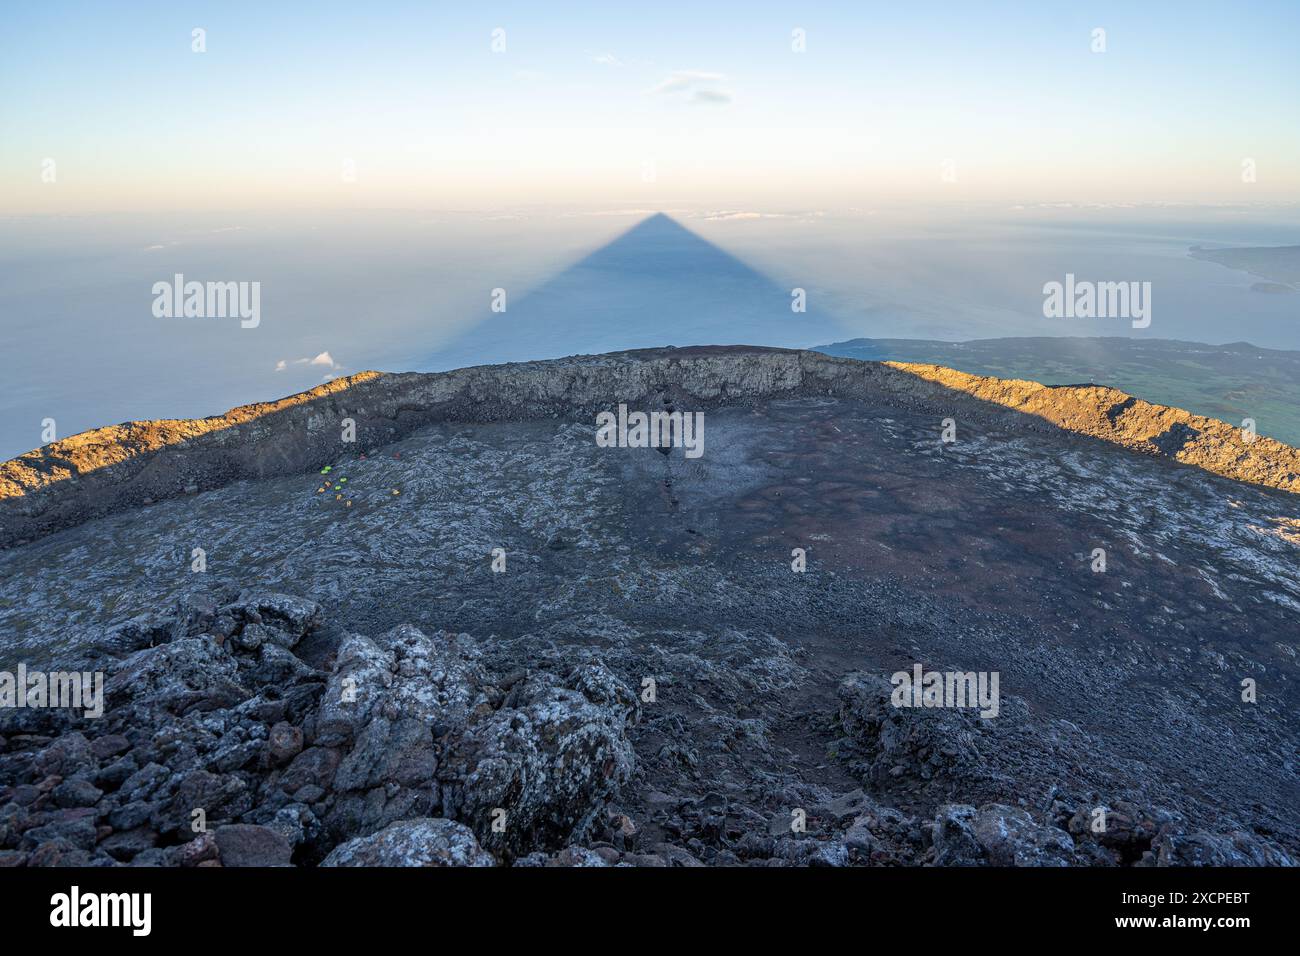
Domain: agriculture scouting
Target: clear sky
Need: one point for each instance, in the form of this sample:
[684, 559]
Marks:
[395, 105]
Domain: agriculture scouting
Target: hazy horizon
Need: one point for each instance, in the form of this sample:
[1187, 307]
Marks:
[343, 292]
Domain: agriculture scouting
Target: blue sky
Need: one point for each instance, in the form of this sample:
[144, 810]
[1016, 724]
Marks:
[398, 104]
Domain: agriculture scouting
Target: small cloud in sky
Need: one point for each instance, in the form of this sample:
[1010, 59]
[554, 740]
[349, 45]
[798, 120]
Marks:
[680, 80]
[697, 86]
[324, 360]
[605, 59]
[710, 96]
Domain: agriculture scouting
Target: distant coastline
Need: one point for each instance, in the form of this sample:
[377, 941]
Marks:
[1280, 265]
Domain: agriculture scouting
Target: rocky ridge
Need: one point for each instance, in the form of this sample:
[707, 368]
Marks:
[106, 470]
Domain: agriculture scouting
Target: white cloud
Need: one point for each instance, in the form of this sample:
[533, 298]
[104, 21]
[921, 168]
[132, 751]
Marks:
[697, 86]
[710, 96]
[605, 59]
[323, 360]
[681, 80]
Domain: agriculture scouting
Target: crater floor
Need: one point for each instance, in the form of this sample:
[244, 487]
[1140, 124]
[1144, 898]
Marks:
[1119, 686]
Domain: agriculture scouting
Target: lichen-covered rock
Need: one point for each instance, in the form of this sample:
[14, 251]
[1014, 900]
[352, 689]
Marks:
[1172, 847]
[423, 841]
[1011, 837]
[64, 757]
[144, 630]
[403, 673]
[388, 702]
[569, 857]
[955, 843]
[177, 676]
[285, 618]
[536, 771]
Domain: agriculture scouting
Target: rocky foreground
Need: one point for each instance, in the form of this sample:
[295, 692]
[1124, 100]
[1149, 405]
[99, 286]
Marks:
[348, 679]
[247, 721]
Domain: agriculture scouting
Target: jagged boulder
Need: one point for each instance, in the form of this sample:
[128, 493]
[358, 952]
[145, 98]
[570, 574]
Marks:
[1009, 836]
[282, 619]
[538, 769]
[1175, 847]
[386, 705]
[953, 836]
[423, 841]
[177, 676]
[997, 835]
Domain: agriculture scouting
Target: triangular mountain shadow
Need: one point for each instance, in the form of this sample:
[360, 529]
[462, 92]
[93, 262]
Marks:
[656, 284]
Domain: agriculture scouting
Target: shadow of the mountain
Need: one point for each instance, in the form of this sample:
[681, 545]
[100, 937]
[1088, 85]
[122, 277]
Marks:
[656, 284]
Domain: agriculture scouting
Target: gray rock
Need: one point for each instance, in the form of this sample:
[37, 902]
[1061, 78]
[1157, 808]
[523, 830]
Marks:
[112, 776]
[79, 832]
[126, 845]
[420, 842]
[315, 766]
[954, 838]
[76, 792]
[140, 632]
[550, 758]
[130, 816]
[219, 796]
[277, 667]
[1011, 837]
[177, 676]
[110, 745]
[60, 853]
[242, 844]
[1174, 848]
[290, 618]
[283, 743]
[68, 755]
[195, 614]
